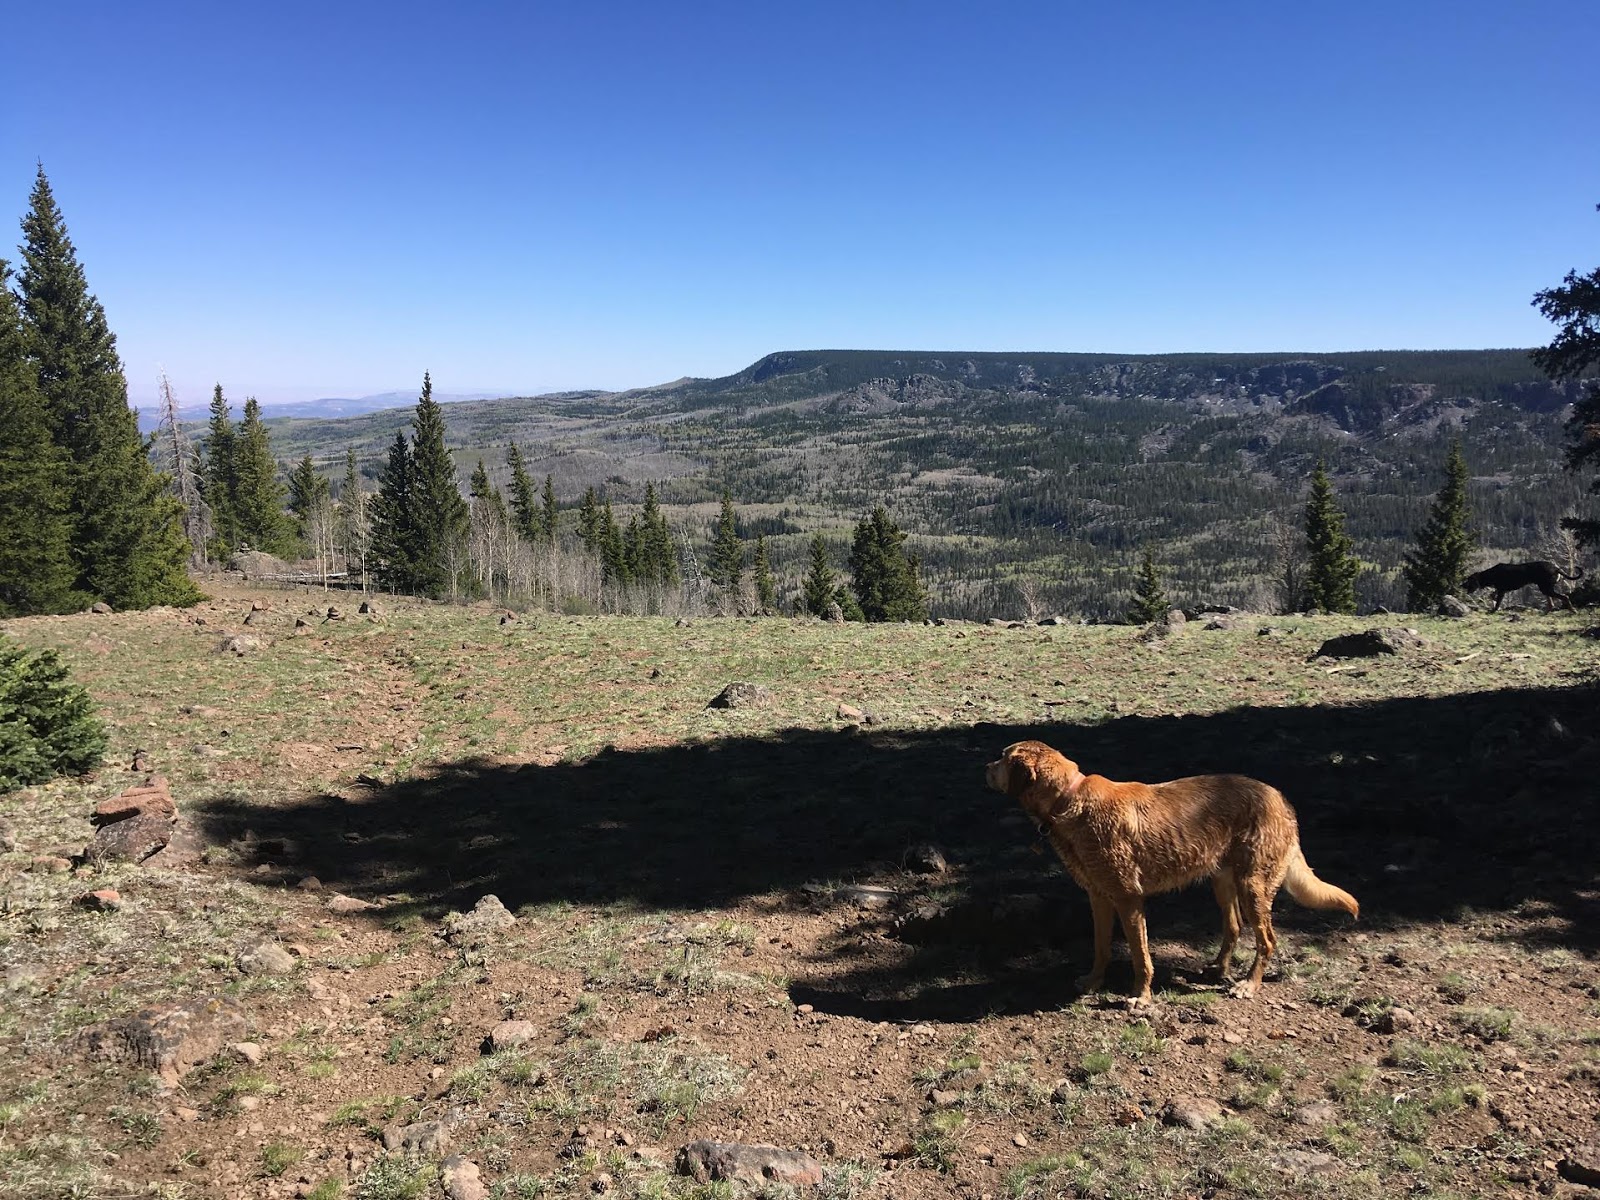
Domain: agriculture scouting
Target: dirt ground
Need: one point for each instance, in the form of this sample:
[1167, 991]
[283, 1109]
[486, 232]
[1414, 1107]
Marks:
[795, 925]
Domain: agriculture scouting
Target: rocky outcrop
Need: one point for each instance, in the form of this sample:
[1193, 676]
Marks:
[755, 1165]
[134, 824]
[170, 1039]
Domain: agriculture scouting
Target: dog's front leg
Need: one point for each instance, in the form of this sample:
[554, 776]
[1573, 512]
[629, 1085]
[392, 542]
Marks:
[1132, 914]
[1104, 915]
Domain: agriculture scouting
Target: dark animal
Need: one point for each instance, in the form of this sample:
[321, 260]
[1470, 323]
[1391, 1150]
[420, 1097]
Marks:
[1508, 577]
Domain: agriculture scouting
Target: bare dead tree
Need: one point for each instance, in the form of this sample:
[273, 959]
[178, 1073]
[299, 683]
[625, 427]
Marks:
[181, 464]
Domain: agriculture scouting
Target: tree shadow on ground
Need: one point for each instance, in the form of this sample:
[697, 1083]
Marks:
[1421, 807]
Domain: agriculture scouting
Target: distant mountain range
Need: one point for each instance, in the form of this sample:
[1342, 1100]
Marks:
[327, 407]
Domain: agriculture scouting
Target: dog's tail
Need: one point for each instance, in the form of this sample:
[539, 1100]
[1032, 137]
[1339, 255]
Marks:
[1564, 575]
[1302, 883]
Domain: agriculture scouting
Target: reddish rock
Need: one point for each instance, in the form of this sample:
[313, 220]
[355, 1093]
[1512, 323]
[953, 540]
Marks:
[131, 840]
[170, 1039]
[343, 905]
[49, 864]
[102, 900]
[152, 796]
[184, 848]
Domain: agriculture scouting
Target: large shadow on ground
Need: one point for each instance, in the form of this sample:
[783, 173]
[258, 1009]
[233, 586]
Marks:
[1418, 806]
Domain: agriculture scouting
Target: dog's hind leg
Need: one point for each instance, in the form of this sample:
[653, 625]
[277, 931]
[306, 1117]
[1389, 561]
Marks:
[1104, 917]
[1131, 913]
[1256, 902]
[1228, 901]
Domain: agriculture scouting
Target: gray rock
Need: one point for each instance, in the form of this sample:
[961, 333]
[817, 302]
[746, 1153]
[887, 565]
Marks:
[239, 643]
[248, 1052]
[927, 859]
[170, 1039]
[741, 695]
[460, 1179]
[1193, 1112]
[848, 712]
[835, 614]
[1316, 1114]
[1397, 1020]
[510, 1034]
[1304, 1162]
[266, 958]
[1369, 643]
[345, 905]
[755, 1165]
[487, 917]
[1581, 1165]
[131, 840]
[1175, 619]
[1451, 607]
[100, 607]
[428, 1138]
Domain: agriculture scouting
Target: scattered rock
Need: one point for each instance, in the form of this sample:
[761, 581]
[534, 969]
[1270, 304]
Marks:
[848, 712]
[265, 958]
[1316, 1114]
[310, 884]
[741, 695]
[150, 797]
[1053, 621]
[333, 614]
[184, 848]
[239, 643]
[301, 627]
[251, 617]
[1219, 621]
[941, 1098]
[428, 1138]
[1193, 1112]
[460, 1179]
[101, 608]
[1020, 1140]
[132, 840]
[861, 895]
[1304, 1162]
[488, 916]
[170, 1039]
[1581, 1165]
[509, 1034]
[248, 1052]
[1368, 644]
[1449, 606]
[345, 905]
[1397, 1020]
[835, 614]
[755, 1165]
[368, 609]
[103, 900]
[1175, 619]
[927, 860]
[49, 864]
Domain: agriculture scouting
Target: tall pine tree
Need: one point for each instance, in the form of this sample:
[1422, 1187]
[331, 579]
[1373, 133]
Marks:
[217, 480]
[589, 522]
[1149, 601]
[128, 543]
[1331, 568]
[821, 583]
[884, 575]
[659, 564]
[1436, 568]
[258, 497]
[547, 523]
[36, 568]
[525, 516]
[393, 518]
[726, 566]
[307, 492]
[766, 585]
[354, 516]
[440, 514]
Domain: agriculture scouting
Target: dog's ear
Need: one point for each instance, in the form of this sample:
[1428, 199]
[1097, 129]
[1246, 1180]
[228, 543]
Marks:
[1019, 772]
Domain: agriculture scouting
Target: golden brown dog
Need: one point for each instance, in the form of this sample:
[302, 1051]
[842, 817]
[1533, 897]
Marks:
[1125, 841]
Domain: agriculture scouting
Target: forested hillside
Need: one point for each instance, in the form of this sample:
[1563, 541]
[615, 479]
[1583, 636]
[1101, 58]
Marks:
[1038, 480]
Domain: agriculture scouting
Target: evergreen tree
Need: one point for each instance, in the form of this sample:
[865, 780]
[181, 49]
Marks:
[1571, 355]
[1149, 601]
[439, 513]
[1436, 568]
[821, 584]
[726, 567]
[258, 497]
[47, 724]
[527, 519]
[589, 528]
[660, 559]
[481, 489]
[36, 568]
[217, 482]
[766, 585]
[128, 543]
[547, 523]
[633, 553]
[613, 553]
[308, 492]
[1331, 568]
[885, 577]
[393, 519]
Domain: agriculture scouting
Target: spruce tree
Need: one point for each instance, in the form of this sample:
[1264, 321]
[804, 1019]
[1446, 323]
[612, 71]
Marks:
[36, 568]
[354, 527]
[633, 552]
[307, 492]
[613, 553]
[660, 565]
[439, 512]
[766, 585]
[1437, 567]
[821, 583]
[258, 497]
[726, 566]
[1331, 568]
[1571, 356]
[526, 517]
[1149, 601]
[589, 522]
[217, 481]
[47, 724]
[547, 523]
[884, 576]
[393, 519]
[128, 542]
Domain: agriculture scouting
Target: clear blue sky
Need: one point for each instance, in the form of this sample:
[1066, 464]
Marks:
[304, 199]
